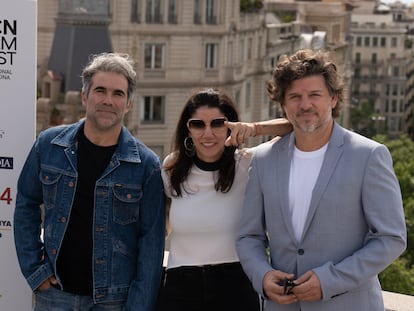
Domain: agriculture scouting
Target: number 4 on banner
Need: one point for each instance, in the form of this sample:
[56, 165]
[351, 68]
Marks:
[6, 196]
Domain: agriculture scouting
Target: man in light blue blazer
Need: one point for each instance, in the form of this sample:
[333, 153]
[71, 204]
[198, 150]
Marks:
[323, 212]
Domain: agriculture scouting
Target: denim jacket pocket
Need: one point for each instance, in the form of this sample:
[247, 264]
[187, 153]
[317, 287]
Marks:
[49, 180]
[126, 203]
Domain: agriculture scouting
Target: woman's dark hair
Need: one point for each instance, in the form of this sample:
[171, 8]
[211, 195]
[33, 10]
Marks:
[180, 165]
[302, 64]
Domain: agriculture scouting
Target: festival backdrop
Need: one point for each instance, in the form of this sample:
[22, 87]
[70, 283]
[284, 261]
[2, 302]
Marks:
[18, 32]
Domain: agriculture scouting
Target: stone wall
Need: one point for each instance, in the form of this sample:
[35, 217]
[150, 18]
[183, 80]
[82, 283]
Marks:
[398, 302]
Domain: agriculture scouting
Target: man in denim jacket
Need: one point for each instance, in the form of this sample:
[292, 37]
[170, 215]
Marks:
[103, 204]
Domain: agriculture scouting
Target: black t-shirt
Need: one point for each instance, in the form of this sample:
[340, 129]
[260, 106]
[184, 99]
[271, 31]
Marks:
[74, 262]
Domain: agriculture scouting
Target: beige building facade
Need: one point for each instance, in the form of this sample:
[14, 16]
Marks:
[181, 45]
[326, 24]
[383, 66]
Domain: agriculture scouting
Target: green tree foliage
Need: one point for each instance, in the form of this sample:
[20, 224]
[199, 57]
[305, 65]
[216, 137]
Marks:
[250, 5]
[285, 16]
[361, 120]
[399, 277]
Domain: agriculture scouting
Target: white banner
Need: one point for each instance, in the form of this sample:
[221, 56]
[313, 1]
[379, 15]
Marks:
[18, 33]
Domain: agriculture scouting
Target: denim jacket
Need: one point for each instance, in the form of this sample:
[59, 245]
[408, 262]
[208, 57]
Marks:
[129, 216]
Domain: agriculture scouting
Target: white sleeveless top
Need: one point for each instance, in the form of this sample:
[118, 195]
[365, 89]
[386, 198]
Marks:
[204, 222]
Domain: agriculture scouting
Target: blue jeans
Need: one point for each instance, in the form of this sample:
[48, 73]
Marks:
[54, 299]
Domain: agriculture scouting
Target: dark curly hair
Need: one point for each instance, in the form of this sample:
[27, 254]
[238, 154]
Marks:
[305, 63]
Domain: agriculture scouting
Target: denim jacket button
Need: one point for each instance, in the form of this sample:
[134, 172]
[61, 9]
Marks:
[71, 184]
[63, 219]
[54, 251]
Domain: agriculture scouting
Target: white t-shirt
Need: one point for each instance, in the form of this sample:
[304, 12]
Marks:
[304, 171]
[204, 222]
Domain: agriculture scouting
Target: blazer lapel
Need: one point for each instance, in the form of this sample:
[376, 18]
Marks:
[283, 172]
[332, 156]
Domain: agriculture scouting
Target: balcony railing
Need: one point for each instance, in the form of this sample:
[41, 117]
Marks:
[397, 302]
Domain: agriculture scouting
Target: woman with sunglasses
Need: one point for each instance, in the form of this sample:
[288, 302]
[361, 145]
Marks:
[205, 177]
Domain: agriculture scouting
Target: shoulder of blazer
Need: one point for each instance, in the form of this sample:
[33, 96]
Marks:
[268, 149]
[342, 136]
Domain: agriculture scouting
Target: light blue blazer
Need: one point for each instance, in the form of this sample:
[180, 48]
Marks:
[354, 229]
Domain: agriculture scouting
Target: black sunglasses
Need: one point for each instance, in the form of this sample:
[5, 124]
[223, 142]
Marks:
[200, 125]
[287, 286]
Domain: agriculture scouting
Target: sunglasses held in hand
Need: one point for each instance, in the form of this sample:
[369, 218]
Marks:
[288, 285]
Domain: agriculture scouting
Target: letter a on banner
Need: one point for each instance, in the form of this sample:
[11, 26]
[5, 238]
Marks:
[18, 32]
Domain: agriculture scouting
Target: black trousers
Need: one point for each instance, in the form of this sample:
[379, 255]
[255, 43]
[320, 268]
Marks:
[222, 287]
